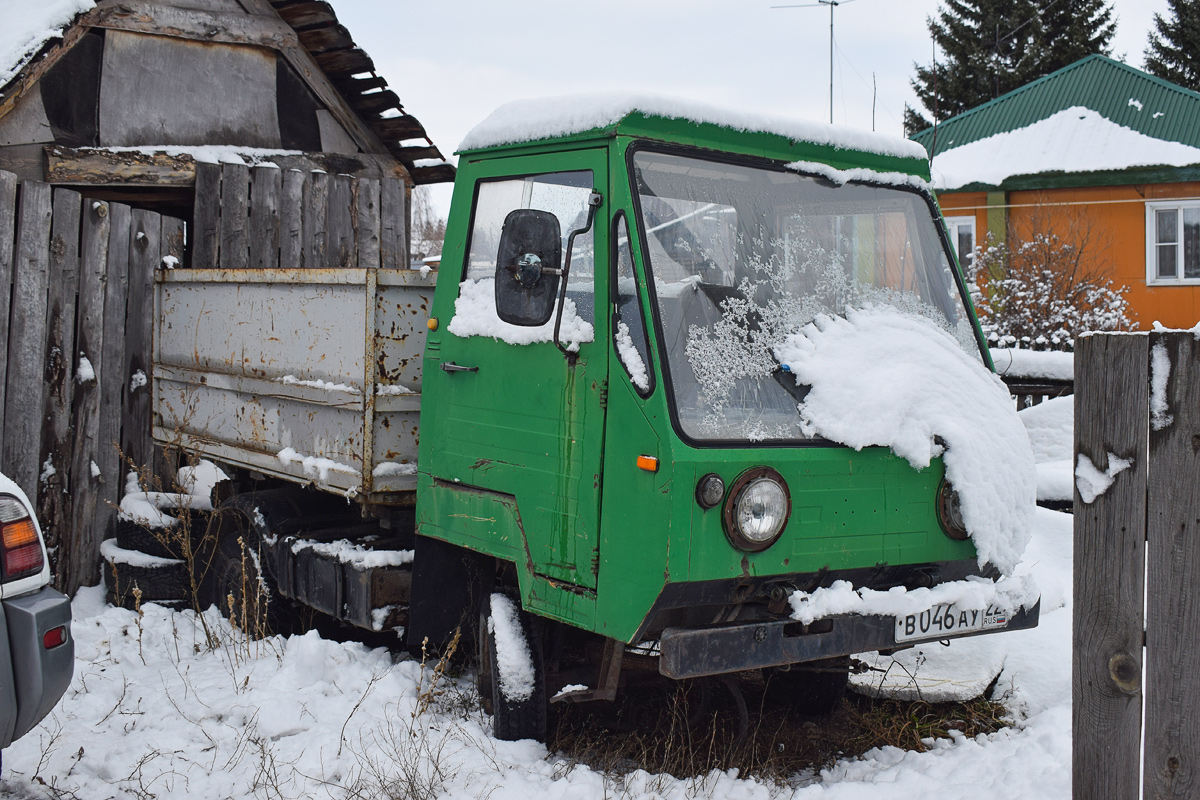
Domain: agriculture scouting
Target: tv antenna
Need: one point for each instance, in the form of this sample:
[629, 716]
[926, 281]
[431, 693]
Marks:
[832, 5]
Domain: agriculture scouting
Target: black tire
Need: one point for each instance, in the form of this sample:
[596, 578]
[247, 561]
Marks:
[240, 583]
[812, 690]
[165, 582]
[160, 542]
[512, 718]
[129, 602]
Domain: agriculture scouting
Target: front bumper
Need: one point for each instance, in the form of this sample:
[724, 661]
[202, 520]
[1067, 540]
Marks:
[32, 677]
[696, 652]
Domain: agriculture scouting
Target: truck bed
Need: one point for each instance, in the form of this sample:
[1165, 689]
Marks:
[311, 375]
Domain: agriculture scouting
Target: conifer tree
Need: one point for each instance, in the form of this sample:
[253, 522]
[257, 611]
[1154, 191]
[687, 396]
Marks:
[990, 47]
[1173, 52]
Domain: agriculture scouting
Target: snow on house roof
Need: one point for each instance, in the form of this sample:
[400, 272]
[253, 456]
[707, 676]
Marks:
[543, 118]
[29, 26]
[1076, 139]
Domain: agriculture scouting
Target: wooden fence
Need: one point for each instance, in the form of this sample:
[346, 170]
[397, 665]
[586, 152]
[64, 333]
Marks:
[1137, 568]
[76, 301]
[263, 217]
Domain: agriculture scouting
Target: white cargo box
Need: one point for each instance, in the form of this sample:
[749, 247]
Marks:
[313, 375]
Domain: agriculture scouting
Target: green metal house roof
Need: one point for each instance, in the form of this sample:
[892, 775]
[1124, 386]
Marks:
[1108, 87]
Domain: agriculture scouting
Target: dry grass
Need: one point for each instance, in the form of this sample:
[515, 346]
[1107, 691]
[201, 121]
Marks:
[655, 726]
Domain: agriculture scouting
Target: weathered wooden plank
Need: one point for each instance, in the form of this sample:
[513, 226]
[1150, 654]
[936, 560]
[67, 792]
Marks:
[235, 215]
[443, 173]
[27, 337]
[304, 15]
[1111, 421]
[125, 168]
[172, 243]
[368, 222]
[8, 221]
[393, 212]
[114, 385]
[189, 23]
[1172, 749]
[318, 79]
[398, 128]
[144, 255]
[264, 217]
[34, 71]
[316, 227]
[291, 219]
[206, 216]
[78, 559]
[330, 37]
[342, 219]
[416, 153]
[54, 500]
[375, 102]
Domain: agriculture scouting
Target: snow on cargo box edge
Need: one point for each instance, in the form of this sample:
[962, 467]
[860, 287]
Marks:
[880, 377]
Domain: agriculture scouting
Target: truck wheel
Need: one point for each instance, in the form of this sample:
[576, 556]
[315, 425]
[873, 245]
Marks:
[812, 690]
[511, 681]
[241, 586]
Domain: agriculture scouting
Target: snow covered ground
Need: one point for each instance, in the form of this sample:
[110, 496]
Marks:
[153, 710]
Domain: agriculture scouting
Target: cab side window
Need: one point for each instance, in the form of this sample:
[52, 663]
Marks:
[629, 329]
[562, 194]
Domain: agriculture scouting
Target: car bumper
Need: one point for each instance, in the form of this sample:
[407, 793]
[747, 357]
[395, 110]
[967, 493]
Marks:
[32, 676]
[696, 652]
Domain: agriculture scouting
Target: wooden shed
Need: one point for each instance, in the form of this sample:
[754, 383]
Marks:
[148, 134]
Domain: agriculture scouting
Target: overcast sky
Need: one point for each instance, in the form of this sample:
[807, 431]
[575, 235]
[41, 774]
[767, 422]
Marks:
[454, 61]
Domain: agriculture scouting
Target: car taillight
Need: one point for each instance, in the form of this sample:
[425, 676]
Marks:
[54, 637]
[20, 548]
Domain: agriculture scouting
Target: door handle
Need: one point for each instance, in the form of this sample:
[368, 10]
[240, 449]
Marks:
[450, 366]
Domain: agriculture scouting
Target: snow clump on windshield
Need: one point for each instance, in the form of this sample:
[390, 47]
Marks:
[880, 377]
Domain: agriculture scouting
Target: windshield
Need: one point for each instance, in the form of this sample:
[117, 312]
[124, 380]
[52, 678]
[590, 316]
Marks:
[741, 256]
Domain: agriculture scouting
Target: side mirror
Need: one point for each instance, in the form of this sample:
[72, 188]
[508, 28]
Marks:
[528, 265]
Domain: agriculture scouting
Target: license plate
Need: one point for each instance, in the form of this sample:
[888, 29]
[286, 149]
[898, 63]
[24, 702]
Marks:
[945, 620]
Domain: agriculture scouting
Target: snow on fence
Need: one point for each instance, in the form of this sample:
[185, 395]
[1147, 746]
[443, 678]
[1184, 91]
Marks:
[76, 300]
[1136, 566]
[264, 217]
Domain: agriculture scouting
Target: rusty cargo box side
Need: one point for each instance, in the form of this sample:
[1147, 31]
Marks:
[312, 375]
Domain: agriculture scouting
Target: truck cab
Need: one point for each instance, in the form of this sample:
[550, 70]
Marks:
[603, 408]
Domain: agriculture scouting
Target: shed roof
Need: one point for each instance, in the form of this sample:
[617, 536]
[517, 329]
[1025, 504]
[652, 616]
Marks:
[44, 32]
[1121, 94]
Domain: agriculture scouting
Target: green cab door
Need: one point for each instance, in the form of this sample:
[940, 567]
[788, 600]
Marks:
[517, 416]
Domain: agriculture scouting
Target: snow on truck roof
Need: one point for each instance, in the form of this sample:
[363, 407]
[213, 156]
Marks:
[548, 117]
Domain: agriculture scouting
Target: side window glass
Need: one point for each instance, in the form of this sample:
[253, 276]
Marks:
[563, 195]
[629, 333]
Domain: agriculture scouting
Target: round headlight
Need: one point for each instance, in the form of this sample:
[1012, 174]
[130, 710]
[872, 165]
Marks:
[710, 490]
[757, 509]
[949, 511]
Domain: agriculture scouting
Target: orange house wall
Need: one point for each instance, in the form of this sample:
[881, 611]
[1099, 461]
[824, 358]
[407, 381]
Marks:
[1117, 215]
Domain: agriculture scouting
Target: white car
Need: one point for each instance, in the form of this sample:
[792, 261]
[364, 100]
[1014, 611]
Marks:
[37, 653]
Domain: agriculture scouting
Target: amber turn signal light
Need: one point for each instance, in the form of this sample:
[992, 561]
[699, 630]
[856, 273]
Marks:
[648, 463]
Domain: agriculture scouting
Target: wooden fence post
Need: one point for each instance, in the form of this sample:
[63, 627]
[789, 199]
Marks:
[8, 220]
[1111, 421]
[206, 216]
[368, 222]
[342, 221]
[1173, 622]
[235, 215]
[393, 219]
[54, 499]
[114, 380]
[78, 562]
[264, 217]
[26, 338]
[144, 256]
[291, 220]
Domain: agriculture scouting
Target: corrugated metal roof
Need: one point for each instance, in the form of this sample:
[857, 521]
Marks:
[1127, 96]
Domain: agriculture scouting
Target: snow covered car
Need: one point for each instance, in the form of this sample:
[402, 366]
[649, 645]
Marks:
[37, 654]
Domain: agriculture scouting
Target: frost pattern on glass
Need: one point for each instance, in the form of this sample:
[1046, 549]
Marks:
[743, 258]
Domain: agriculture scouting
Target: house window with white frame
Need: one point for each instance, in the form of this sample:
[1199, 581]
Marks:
[962, 239]
[1173, 242]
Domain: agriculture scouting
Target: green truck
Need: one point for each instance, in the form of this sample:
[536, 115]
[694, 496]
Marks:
[610, 468]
